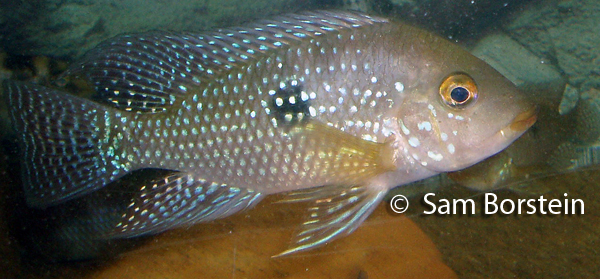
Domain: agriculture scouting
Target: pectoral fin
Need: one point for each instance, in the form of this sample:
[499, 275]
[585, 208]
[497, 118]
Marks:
[336, 212]
[344, 158]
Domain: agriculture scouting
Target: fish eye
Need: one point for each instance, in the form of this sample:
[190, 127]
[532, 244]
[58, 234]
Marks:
[458, 90]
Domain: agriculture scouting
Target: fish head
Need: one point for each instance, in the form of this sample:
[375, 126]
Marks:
[464, 112]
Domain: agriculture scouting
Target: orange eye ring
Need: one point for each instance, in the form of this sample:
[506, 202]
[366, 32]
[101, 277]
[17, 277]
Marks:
[458, 90]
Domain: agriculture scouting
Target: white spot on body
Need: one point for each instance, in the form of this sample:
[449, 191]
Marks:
[444, 136]
[279, 102]
[451, 148]
[435, 156]
[376, 127]
[424, 125]
[414, 142]
[404, 129]
[304, 96]
[458, 117]
[432, 109]
[399, 86]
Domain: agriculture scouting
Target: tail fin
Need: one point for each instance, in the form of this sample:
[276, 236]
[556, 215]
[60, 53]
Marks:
[68, 145]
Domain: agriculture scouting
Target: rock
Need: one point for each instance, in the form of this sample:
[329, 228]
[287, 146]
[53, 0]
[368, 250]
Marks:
[587, 113]
[525, 69]
[4, 72]
[4, 116]
[569, 100]
[69, 28]
[357, 5]
[456, 20]
[564, 33]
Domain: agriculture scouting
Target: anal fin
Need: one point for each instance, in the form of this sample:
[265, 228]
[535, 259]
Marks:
[336, 212]
[181, 199]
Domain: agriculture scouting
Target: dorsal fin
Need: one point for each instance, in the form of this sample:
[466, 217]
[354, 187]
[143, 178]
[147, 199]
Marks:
[146, 72]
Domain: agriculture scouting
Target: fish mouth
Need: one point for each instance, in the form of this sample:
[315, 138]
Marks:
[519, 124]
[498, 141]
[524, 120]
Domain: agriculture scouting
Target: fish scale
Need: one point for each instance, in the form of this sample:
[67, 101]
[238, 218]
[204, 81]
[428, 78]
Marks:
[223, 125]
[339, 106]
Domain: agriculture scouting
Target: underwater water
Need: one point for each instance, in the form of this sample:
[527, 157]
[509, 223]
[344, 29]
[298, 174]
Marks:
[548, 49]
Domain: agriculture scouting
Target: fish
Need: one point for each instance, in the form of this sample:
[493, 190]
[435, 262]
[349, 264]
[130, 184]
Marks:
[332, 108]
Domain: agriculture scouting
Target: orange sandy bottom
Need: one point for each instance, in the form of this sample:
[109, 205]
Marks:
[241, 247]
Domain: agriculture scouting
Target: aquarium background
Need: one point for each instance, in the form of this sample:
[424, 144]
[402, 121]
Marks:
[550, 49]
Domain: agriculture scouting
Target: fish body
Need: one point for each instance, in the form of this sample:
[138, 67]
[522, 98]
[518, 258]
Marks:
[343, 106]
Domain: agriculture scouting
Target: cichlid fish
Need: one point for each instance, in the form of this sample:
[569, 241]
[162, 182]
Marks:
[352, 103]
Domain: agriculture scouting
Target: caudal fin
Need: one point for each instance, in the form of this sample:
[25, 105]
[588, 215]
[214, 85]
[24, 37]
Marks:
[68, 145]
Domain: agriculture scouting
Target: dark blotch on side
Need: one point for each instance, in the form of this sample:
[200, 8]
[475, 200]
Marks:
[290, 105]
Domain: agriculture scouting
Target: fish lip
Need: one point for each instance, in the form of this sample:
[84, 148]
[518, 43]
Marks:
[524, 120]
